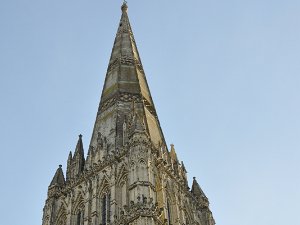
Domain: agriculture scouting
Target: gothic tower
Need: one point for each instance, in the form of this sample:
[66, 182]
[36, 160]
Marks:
[129, 176]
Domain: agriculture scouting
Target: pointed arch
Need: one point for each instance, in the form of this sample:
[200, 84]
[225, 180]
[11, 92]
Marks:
[122, 174]
[187, 216]
[132, 168]
[103, 185]
[103, 202]
[170, 202]
[170, 192]
[46, 220]
[79, 203]
[61, 218]
[78, 210]
[142, 169]
[122, 182]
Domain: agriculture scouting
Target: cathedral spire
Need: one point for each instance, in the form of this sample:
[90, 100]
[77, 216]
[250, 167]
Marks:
[125, 82]
[129, 176]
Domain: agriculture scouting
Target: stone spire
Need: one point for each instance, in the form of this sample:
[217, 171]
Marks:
[125, 92]
[58, 178]
[197, 191]
[78, 158]
[69, 164]
[79, 148]
[75, 164]
[173, 153]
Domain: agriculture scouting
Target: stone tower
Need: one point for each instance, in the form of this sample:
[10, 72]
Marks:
[129, 176]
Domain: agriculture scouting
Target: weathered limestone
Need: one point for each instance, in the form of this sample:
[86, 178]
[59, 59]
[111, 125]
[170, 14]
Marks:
[129, 176]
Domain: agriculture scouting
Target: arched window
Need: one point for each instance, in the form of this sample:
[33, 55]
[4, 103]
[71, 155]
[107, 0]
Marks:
[124, 133]
[79, 217]
[143, 173]
[61, 217]
[123, 192]
[105, 208]
[170, 204]
[132, 174]
[169, 212]
[187, 222]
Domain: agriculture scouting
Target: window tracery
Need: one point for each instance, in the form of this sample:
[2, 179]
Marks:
[61, 217]
[78, 211]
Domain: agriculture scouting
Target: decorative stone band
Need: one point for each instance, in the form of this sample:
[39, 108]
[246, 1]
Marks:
[125, 60]
[124, 97]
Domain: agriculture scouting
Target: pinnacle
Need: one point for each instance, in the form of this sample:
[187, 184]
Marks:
[79, 146]
[196, 189]
[124, 7]
[173, 153]
[58, 178]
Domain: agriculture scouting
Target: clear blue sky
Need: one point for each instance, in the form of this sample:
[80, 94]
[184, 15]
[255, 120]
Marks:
[224, 75]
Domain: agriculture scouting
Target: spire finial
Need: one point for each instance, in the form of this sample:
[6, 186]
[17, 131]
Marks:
[124, 6]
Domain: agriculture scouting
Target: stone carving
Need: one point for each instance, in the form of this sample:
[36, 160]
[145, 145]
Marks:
[141, 208]
[128, 97]
[127, 60]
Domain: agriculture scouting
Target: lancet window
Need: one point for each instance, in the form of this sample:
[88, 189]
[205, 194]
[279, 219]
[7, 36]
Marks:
[105, 208]
[124, 133]
[62, 217]
[169, 212]
[187, 220]
[79, 217]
